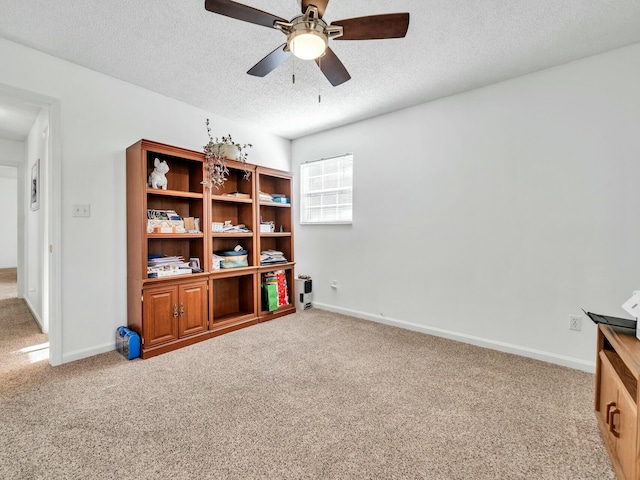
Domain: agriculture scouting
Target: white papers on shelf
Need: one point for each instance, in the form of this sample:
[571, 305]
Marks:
[168, 266]
[172, 273]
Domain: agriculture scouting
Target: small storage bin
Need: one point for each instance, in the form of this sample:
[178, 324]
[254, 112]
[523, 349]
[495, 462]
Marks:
[233, 259]
[127, 343]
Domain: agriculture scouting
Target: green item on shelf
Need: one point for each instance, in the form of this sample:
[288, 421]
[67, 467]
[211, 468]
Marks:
[270, 296]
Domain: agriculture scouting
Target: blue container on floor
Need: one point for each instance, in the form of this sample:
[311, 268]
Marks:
[127, 343]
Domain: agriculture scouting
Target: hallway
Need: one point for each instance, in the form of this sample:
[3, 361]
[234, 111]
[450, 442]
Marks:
[24, 349]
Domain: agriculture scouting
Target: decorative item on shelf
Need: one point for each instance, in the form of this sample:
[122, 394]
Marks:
[194, 262]
[157, 177]
[216, 151]
[267, 227]
[233, 258]
[192, 224]
[164, 221]
[216, 262]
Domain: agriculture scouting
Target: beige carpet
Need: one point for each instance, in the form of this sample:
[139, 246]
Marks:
[23, 351]
[313, 395]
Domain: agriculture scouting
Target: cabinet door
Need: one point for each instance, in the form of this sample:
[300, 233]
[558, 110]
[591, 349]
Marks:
[160, 317]
[608, 388]
[193, 308]
[626, 425]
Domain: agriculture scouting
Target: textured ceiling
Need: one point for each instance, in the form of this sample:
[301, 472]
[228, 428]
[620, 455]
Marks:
[179, 49]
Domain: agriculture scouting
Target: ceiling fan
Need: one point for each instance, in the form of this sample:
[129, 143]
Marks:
[308, 34]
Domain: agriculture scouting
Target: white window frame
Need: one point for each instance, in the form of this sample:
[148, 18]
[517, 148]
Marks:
[305, 195]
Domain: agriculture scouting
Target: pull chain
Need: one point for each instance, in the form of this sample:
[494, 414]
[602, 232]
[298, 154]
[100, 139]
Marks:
[319, 80]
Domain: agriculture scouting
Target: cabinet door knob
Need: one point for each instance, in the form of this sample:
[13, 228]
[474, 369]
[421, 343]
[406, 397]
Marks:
[612, 426]
[175, 311]
[181, 310]
[610, 405]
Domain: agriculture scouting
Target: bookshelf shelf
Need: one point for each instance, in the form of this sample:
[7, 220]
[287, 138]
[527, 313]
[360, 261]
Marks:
[276, 234]
[232, 235]
[174, 235]
[174, 193]
[223, 198]
[275, 204]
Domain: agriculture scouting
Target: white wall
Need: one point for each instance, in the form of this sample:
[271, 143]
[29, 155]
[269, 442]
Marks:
[12, 154]
[493, 215]
[34, 235]
[101, 117]
[9, 206]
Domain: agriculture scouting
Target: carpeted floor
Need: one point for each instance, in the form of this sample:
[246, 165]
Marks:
[313, 395]
[23, 346]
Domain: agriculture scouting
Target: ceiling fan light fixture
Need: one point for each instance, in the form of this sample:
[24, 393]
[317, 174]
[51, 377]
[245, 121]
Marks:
[307, 44]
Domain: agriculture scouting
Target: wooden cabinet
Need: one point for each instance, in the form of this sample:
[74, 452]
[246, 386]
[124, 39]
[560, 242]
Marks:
[160, 315]
[193, 314]
[616, 402]
[171, 312]
[167, 312]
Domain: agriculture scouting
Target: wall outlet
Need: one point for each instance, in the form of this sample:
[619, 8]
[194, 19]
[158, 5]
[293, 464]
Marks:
[334, 284]
[82, 210]
[575, 322]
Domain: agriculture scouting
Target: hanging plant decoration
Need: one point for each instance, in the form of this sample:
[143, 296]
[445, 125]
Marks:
[216, 152]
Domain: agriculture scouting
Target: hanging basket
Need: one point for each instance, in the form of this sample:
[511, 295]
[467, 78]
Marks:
[216, 153]
[230, 152]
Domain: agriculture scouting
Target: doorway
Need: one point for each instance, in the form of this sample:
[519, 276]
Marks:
[39, 218]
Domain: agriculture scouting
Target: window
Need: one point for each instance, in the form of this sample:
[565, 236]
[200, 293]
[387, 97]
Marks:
[326, 190]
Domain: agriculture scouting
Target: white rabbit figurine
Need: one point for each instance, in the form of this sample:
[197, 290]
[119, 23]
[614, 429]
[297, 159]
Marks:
[157, 178]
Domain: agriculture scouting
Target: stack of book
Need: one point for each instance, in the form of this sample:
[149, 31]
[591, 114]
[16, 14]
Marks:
[159, 266]
[279, 198]
[272, 257]
[265, 197]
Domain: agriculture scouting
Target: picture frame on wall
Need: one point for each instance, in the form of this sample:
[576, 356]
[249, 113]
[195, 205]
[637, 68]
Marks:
[35, 185]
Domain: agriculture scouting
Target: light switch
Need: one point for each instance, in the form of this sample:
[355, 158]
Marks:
[82, 210]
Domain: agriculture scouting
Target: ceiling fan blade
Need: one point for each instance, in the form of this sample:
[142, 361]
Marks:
[270, 62]
[391, 25]
[242, 12]
[321, 5]
[332, 68]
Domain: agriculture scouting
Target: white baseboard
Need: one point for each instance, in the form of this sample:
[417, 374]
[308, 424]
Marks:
[548, 357]
[34, 313]
[87, 352]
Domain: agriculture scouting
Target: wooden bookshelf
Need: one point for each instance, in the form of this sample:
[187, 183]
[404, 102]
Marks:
[172, 312]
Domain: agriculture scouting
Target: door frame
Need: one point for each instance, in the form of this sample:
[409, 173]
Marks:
[51, 202]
